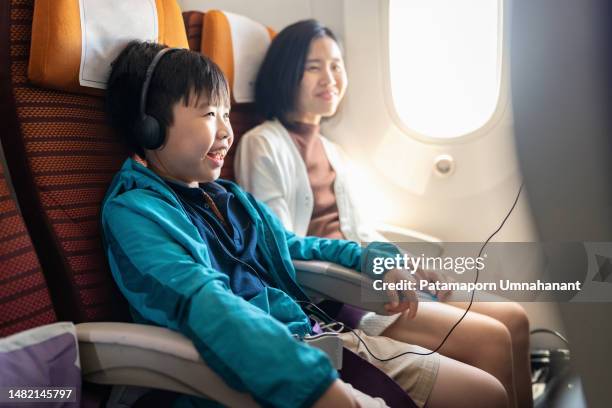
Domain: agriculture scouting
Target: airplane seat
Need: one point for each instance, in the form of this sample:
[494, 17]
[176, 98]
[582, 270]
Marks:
[25, 297]
[237, 45]
[62, 156]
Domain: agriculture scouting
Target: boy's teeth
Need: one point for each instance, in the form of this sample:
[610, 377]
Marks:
[218, 154]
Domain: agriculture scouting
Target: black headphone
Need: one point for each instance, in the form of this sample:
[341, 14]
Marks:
[148, 131]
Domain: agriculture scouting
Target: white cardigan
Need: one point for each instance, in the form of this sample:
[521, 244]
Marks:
[269, 166]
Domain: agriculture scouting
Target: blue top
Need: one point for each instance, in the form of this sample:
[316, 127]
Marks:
[163, 267]
[232, 247]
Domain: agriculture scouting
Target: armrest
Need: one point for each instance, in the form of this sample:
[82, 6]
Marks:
[431, 246]
[335, 282]
[153, 357]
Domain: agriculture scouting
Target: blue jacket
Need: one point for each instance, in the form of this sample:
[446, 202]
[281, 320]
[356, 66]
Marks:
[162, 266]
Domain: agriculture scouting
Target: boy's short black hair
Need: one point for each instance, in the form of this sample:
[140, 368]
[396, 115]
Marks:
[179, 76]
[281, 72]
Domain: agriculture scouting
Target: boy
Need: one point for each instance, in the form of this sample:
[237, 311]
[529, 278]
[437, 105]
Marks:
[205, 258]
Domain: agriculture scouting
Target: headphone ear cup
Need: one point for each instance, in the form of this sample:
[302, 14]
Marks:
[150, 133]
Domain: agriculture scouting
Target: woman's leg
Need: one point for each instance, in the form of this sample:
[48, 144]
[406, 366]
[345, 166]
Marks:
[459, 385]
[478, 340]
[514, 317]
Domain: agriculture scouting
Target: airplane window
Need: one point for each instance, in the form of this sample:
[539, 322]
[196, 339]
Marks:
[445, 65]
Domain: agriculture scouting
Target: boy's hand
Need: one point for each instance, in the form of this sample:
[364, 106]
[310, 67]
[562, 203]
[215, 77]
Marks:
[403, 300]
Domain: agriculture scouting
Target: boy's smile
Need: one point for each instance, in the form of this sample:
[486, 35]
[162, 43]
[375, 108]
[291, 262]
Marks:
[216, 155]
[196, 143]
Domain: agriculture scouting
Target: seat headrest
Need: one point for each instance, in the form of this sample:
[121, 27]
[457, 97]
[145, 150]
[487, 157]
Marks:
[75, 41]
[238, 45]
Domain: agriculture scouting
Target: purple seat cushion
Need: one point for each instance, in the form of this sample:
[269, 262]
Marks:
[46, 356]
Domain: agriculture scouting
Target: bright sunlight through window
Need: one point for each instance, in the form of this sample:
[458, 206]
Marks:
[444, 63]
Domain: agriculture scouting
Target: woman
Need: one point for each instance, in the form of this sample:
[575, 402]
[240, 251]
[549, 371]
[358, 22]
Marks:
[301, 176]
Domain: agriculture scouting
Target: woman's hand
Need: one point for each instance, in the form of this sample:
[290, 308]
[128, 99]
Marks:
[433, 276]
[401, 300]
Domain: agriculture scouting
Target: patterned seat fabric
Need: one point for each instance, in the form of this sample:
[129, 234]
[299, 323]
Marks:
[24, 298]
[243, 116]
[62, 156]
[194, 21]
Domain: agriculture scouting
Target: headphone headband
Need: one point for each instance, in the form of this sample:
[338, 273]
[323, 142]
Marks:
[149, 76]
[149, 132]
